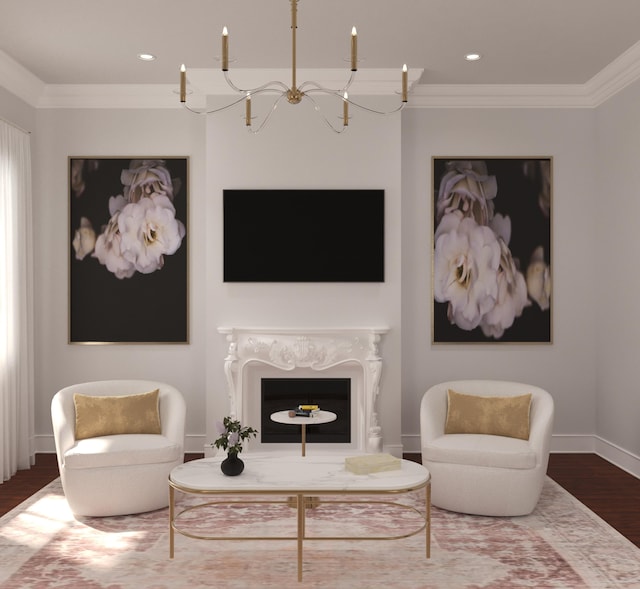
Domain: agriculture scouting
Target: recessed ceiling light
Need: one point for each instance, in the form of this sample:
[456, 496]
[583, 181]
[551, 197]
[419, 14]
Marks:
[146, 56]
[472, 56]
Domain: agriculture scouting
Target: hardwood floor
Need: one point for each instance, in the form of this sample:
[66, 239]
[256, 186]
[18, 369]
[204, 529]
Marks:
[26, 482]
[604, 488]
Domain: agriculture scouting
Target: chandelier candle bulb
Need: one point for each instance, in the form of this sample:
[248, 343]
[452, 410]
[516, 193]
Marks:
[225, 49]
[354, 50]
[345, 110]
[405, 76]
[183, 83]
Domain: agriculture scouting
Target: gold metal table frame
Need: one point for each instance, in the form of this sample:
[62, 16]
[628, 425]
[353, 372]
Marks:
[303, 499]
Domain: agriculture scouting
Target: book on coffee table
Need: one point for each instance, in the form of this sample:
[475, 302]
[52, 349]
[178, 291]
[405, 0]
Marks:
[370, 463]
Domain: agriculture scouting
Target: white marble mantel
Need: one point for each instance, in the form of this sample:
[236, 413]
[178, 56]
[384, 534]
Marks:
[317, 349]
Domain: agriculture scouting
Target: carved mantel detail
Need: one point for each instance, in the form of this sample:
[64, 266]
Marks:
[315, 349]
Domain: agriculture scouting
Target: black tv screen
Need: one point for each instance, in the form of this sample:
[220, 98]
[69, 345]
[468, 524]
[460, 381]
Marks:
[303, 235]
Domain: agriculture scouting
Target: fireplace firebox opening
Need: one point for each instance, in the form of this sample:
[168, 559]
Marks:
[330, 394]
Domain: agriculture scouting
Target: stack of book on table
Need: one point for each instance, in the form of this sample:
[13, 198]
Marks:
[304, 411]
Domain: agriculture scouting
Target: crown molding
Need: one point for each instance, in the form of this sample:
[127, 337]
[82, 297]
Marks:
[499, 96]
[109, 96]
[616, 76]
[619, 74]
[20, 81]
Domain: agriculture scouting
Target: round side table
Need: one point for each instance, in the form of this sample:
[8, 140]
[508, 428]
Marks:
[317, 419]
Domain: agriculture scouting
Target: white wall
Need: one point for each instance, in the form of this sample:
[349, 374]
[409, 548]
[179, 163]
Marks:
[568, 367]
[290, 153]
[15, 111]
[296, 150]
[63, 133]
[589, 369]
[615, 277]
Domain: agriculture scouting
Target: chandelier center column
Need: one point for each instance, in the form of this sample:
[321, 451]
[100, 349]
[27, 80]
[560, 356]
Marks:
[294, 96]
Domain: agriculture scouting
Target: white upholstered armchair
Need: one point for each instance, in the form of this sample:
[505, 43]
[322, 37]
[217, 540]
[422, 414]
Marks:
[486, 474]
[123, 473]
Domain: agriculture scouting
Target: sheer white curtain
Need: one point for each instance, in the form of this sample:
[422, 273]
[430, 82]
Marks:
[16, 303]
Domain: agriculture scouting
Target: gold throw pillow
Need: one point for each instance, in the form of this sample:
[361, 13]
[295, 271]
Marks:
[105, 416]
[498, 416]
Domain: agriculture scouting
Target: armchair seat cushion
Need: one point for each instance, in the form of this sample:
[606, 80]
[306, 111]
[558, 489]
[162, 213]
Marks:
[480, 450]
[121, 450]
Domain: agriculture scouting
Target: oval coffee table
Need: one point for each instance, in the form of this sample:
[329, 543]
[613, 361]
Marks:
[315, 419]
[322, 476]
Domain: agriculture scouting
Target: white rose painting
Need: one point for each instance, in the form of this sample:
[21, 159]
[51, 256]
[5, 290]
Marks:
[128, 250]
[491, 276]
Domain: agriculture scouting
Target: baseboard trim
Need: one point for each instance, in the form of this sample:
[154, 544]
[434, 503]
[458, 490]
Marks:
[622, 458]
[570, 443]
[44, 444]
[411, 444]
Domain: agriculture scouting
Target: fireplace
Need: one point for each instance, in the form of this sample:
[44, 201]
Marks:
[256, 356]
[330, 394]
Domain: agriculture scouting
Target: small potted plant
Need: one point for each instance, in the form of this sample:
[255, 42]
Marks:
[231, 438]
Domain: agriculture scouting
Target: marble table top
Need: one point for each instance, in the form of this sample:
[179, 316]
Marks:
[293, 473]
[318, 418]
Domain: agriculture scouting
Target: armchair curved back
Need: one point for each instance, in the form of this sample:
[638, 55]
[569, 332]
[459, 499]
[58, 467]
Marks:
[172, 408]
[433, 408]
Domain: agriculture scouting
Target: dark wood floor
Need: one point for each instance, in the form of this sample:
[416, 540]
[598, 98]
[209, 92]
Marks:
[604, 488]
[607, 490]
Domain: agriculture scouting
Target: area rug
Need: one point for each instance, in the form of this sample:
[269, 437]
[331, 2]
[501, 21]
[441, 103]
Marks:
[562, 544]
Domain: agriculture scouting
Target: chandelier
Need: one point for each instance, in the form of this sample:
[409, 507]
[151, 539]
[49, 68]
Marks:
[293, 94]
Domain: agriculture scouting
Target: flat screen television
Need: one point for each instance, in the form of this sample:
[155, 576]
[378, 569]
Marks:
[316, 235]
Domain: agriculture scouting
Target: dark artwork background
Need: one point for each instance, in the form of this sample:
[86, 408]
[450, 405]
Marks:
[517, 197]
[146, 308]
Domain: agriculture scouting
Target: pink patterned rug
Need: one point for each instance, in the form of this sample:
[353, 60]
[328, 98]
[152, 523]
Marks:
[562, 544]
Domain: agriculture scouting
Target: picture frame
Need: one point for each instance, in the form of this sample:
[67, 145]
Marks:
[128, 250]
[491, 250]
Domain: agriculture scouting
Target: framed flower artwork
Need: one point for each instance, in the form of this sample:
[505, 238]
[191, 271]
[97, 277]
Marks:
[491, 249]
[128, 250]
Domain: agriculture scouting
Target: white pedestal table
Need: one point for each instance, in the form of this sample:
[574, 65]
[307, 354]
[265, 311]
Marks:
[318, 418]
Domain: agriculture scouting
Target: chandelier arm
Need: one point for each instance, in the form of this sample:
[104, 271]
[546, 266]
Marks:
[341, 98]
[324, 118]
[274, 85]
[352, 77]
[268, 115]
[268, 90]
[377, 112]
[326, 91]
[311, 86]
[205, 111]
[320, 87]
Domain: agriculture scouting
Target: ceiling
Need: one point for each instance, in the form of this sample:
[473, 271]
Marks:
[521, 41]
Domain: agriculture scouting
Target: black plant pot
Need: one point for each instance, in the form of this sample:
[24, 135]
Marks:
[232, 465]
